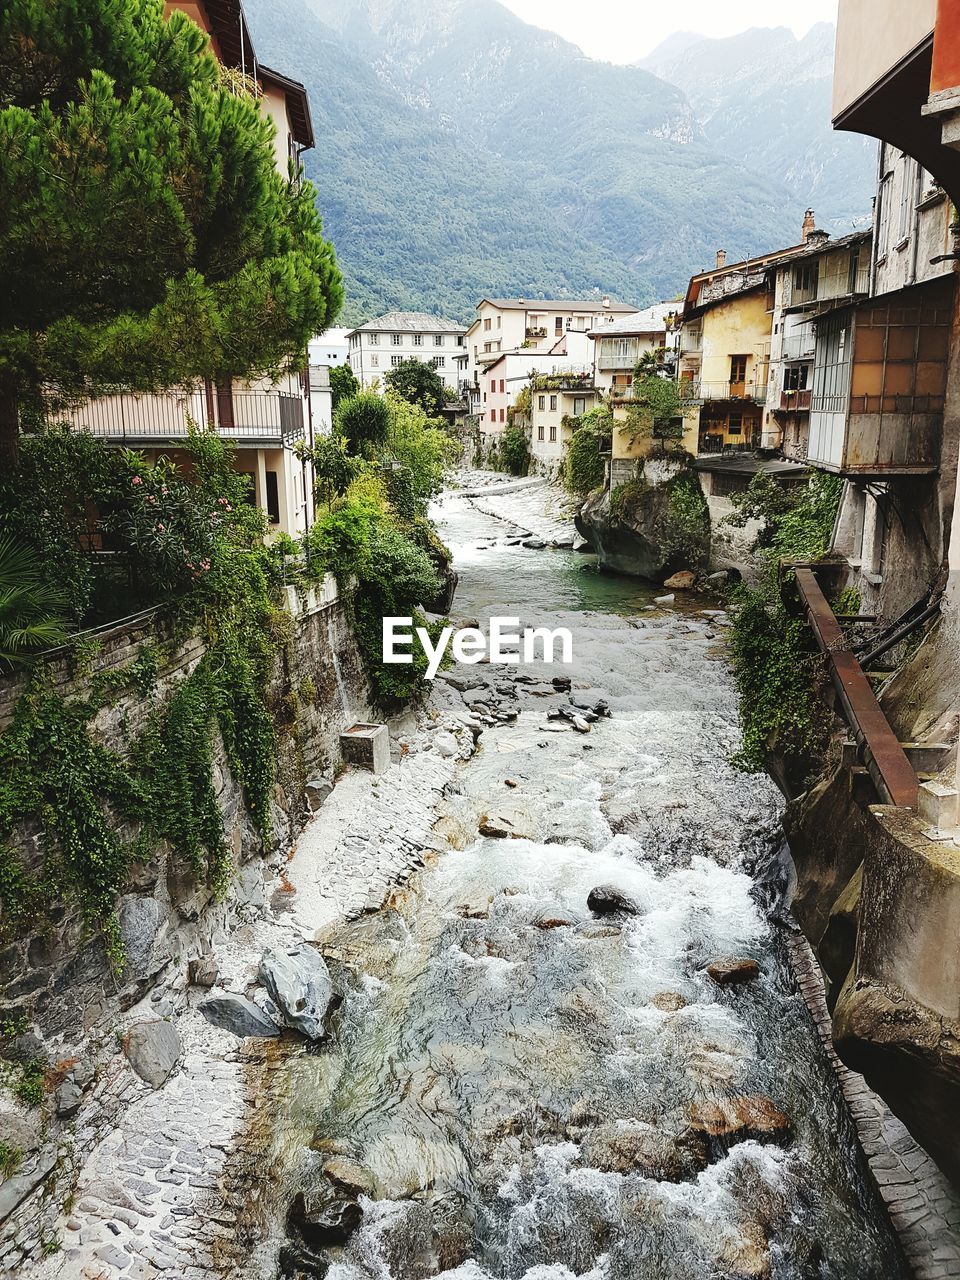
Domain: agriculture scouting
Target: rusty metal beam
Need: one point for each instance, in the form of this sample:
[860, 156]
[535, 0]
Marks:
[889, 767]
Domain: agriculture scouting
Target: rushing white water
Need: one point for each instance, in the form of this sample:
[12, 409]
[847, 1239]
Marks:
[523, 1083]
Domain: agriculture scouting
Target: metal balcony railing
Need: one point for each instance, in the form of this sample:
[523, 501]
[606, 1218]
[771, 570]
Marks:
[270, 416]
[610, 360]
[756, 392]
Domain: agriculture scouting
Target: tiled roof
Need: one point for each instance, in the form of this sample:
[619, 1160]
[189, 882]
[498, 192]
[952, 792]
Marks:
[581, 306]
[650, 320]
[409, 322]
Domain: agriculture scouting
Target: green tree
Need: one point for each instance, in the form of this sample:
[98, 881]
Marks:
[583, 467]
[343, 384]
[414, 440]
[364, 422]
[146, 237]
[418, 383]
[657, 408]
[30, 609]
[334, 468]
[514, 452]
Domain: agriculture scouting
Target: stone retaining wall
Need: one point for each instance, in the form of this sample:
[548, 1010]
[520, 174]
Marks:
[58, 978]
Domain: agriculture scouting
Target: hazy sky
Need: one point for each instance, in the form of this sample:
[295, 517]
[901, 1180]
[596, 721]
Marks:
[625, 30]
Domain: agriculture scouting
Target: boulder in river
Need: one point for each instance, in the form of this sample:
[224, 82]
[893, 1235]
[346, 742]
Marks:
[348, 1176]
[732, 970]
[669, 1001]
[631, 1146]
[553, 918]
[608, 900]
[322, 1219]
[238, 1015]
[682, 580]
[299, 984]
[534, 544]
[723, 1124]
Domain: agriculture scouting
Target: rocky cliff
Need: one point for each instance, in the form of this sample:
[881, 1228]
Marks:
[652, 525]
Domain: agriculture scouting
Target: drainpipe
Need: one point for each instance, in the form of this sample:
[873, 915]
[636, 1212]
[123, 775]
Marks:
[875, 229]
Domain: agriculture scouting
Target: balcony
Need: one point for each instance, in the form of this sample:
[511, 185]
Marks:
[795, 401]
[253, 417]
[611, 360]
[535, 334]
[698, 392]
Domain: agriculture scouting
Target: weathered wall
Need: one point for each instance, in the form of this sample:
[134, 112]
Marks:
[57, 976]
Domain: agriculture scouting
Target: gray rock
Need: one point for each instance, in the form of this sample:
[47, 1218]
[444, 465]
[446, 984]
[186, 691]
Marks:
[32, 1171]
[202, 971]
[83, 1073]
[478, 694]
[238, 1015]
[580, 724]
[153, 1049]
[316, 791]
[663, 599]
[446, 744]
[67, 1099]
[722, 575]
[143, 929]
[299, 984]
[606, 900]
[535, 544]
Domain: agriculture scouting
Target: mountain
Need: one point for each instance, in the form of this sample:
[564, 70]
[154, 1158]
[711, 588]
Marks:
[763, 97]
[461, 152]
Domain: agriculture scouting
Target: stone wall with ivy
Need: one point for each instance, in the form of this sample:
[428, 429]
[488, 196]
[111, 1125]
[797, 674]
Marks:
[160, 801]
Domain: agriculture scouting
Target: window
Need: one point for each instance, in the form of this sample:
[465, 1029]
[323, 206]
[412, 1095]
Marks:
[503, 415]
[438, 339]
[795, 377]
[486, 324]
[418, 339]
[503, 386]
[805, 278]
[488, 346]
[493, 386]
[539, 433]
[461, 341]
[553, 404]
[499, 321]
[396, 360]
[397, 339]
[579, 406]
[553, 432]
[374, 340]
[738, 370]
[735, 424]
[438, 362]
[273, 498]
[374, 362]
[541, 402]
[558, 326]
[852, 280]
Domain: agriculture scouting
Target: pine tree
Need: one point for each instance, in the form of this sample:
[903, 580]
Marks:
[146, 236]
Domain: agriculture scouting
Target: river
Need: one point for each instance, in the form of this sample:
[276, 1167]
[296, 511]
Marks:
[518, 1089]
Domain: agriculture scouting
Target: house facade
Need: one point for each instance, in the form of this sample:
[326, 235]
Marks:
[557, 402]
[826, 275]
[388, 340]
[265, 419]
[618, 346]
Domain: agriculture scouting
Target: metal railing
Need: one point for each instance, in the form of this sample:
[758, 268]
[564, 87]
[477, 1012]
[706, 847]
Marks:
[244, 415]
[609, 360]
[699, 391]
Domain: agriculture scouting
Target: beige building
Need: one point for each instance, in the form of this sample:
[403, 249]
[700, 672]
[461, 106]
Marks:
[557, 401]
[618, 346]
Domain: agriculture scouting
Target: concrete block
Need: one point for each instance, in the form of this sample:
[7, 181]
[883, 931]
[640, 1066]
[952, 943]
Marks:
[367, 745]
[927, 757]
[937, 806]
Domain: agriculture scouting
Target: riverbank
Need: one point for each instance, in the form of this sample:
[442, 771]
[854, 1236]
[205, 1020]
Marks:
[195, 1177]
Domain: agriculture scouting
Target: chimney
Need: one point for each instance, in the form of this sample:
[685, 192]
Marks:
[808, 226]
[721, 258]
[606, 300]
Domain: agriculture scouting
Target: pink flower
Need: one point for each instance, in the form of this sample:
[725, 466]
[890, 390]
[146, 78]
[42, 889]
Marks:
[137, 480]
[160, 528]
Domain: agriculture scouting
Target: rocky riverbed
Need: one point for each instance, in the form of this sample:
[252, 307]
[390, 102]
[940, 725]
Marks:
[561, 1038]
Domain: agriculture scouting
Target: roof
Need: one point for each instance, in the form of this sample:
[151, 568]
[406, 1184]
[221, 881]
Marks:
[577, 305]
[748, 464]
[651, 320]
[409, 322]
[749, 272]
[298, 104]
[230, 28]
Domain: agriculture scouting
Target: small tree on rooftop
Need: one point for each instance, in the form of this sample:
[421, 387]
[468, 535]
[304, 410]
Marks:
[146, 236]
[418, 383]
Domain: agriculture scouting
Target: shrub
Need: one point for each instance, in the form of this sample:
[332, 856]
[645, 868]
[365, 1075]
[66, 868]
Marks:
[584, 466]
[363, 421]
[343, 384]
[514, 452]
